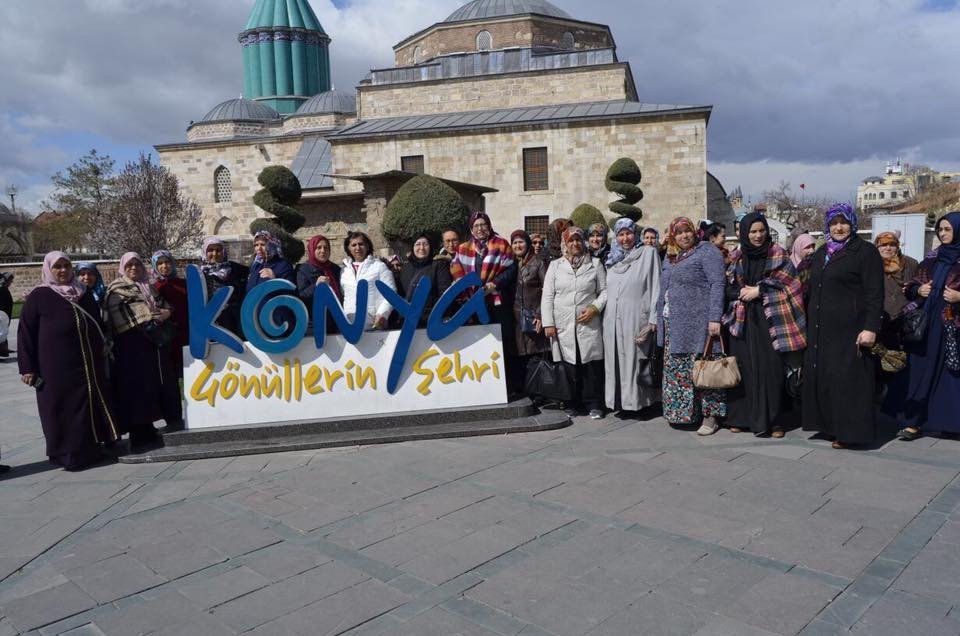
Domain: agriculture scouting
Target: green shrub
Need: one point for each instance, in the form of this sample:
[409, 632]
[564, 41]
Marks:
[281, 190]
[623, 175]
[424, 204]
[585, 215]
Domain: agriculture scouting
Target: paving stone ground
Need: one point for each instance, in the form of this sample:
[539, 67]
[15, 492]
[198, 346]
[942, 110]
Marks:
[609, 527]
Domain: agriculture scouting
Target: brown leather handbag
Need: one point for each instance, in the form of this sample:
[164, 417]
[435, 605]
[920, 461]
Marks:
[715, 374]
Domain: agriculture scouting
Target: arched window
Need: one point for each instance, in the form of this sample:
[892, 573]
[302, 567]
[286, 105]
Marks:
[417, 55]
[484, 41]
[224, 226]
[567, 42]
[222, 190]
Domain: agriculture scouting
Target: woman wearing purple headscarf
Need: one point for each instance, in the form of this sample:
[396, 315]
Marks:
[141, 362]
[933, 397]
[843, 319]
[61, 354]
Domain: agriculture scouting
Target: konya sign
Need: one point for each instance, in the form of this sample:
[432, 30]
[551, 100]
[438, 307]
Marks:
[278, 376]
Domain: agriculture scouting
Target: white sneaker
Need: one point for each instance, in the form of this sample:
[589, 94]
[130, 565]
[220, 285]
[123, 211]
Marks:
[596, 414]
[709, 427]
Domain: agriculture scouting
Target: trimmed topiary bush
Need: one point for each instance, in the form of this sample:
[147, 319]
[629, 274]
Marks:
[623, 175]
[281, 190]
[585, 215]
[424, 204]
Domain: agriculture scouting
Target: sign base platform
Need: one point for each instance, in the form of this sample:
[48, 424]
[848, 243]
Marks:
[520, 416]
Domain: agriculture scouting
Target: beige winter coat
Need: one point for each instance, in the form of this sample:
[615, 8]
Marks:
[566, 290]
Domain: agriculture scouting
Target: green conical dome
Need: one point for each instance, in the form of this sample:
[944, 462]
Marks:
[285, 54]
[295, 14]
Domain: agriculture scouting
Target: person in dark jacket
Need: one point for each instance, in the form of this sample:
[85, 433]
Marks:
[843, 318]
[420, 265]
[528, 337]
[61, 354]
[598, 243]
[173, 289]
[6, 306]
[268, 264]
[219, 271]
[318, 270]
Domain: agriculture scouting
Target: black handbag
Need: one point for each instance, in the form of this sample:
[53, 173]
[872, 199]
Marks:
[161, 334]
[528, 318]
[913, 328]
[650, 374]
[549, 379]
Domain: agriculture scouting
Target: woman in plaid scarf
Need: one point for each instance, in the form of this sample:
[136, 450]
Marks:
[489, 255]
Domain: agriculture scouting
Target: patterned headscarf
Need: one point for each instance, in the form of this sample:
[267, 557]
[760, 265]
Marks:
[274, 248]
[142, 281]
[617, 253]
[155, 261]
[845, 211]
[799, 244]
[219, 270]
[72, 290]
[674, 253]
[475, 216]
[573, 233]
[213, 240]
[893, 264]
[99, 289]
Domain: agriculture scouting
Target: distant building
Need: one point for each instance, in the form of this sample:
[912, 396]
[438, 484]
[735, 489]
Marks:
[517, 104]
[899, 184]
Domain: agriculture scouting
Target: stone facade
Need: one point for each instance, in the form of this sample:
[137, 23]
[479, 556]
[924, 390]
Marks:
[671, 152]
[609, 82]
[444, 39]
[194, 166]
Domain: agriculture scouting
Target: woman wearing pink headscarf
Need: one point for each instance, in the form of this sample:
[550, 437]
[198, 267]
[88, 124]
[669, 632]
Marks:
[142, 363]
[61, 349]
[803, 246]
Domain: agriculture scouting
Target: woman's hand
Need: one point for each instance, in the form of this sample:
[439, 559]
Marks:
[550, 332]
[713, 328]
[489, 288]
[266, 272]
[866, 339]
[379, 322]
[644, 334]
[951, 295]
[322, 280]
[924, 290]
[589, 313]
[537, 325]
[749, 293]
[162, 315]
[27, 378]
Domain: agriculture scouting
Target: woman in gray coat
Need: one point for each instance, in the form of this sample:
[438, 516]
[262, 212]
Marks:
[629, 320]
[689, 308]
[574, 294]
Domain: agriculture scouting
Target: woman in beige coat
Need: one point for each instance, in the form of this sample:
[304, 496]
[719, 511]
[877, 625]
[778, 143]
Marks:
[574, 295]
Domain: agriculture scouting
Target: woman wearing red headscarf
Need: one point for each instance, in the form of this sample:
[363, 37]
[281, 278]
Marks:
[318, 270]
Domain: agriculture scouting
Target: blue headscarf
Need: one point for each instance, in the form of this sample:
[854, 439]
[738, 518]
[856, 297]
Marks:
[274, 248]
[844, 210]
[99, 289]
[617, 253]
[155, 260]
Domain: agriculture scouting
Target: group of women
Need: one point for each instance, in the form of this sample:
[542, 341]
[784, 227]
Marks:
[628, 319]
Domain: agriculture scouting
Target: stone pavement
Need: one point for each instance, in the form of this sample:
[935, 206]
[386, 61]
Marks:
[610, 527]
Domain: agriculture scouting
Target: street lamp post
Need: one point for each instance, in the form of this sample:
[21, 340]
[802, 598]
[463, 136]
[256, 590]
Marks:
[12, 193]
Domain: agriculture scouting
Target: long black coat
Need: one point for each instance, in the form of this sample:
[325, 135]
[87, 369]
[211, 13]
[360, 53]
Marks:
[845, 298]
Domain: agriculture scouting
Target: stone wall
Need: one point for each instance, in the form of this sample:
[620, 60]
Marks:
[194, 168]
[518, 32]
[670, 150]
[229, 129]
[514, 90]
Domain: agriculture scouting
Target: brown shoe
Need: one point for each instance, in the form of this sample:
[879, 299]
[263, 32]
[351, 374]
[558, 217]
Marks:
[777, 435]
[734, 429]
[838, 444]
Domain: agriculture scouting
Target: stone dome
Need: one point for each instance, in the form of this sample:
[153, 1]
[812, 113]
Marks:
[332, 101]
[480, 9]
[240, 109]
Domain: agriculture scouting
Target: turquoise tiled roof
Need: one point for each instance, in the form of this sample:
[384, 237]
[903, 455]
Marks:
[296, 14]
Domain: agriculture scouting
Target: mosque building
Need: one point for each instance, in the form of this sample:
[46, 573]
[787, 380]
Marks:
[515, 103]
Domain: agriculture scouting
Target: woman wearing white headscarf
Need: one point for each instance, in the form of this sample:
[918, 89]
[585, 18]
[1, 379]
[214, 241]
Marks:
[629, 320]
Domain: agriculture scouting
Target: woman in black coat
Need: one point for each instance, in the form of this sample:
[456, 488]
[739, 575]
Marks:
[422, 265]
[843, 319]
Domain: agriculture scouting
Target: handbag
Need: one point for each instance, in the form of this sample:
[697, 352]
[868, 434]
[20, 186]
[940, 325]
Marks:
[650, 374]
[549, 379]
[528, 318]
[161, 334]
[716, 374]
[951, 347]
[914, 325]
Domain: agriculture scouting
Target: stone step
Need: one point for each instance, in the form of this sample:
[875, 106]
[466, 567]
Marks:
[517, 417]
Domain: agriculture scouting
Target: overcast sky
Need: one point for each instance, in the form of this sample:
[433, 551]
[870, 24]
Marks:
[818, 92]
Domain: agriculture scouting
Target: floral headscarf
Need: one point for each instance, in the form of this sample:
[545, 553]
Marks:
[72, 290]
[274, 248]
[155, 261]
[618, 253]
[674, 253]
[893, 264]
[99, 289]
[573, 233]
[845, 211]
[219, 270]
